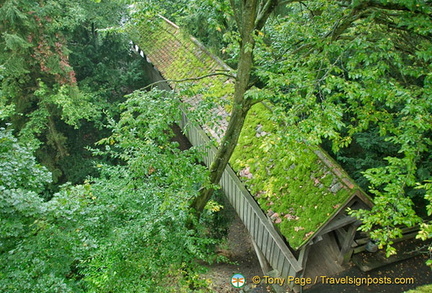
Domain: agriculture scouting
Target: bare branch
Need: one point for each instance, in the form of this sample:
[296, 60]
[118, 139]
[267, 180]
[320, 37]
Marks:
[188, 79]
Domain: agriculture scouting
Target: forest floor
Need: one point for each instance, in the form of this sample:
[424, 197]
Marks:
[238, 248]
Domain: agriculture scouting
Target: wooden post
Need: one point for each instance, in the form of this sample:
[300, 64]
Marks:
[346, 249]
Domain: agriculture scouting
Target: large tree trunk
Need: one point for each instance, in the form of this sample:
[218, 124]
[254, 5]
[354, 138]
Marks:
[223, 154]
[241, 106]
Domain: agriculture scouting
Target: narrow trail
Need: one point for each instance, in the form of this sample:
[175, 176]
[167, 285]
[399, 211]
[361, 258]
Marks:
[239, 250]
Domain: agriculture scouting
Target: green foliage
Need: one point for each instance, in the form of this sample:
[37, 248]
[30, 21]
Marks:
[31, 246]
[367, 150]
[45, 256]
[19, 169]
[38, 82]
[144, 135]
[123, 231]
[149, 196]
[59, 73]
[72, 104]
[212, 22]
[106, 67]
[426, 227]
[146, 246]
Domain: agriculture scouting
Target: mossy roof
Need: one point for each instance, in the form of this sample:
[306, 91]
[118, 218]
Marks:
[175, 54]
[300, 187]
[178, 56]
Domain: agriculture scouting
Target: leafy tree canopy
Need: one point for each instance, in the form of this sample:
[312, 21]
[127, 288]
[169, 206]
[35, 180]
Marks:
[60, 76]
[125, 230]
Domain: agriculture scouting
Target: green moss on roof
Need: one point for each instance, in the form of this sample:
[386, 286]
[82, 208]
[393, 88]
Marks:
[296, 189]
[175, 54]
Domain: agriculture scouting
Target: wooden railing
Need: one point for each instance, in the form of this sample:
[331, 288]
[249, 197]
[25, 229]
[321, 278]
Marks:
[262, 231]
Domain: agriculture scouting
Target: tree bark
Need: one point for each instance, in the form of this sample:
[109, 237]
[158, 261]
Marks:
[241, 105]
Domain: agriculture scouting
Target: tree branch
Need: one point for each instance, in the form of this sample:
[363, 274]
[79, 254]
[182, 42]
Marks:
[264, 12]
[393, 6]
[346, 23]
[236, 13]
[188, 79]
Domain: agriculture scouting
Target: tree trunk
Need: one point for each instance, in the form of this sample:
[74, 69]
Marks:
[223, 154]
[241, 105]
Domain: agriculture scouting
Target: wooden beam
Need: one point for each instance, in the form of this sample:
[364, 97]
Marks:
[303, 256]
[346, 250]
[265, 267]
[339, 221]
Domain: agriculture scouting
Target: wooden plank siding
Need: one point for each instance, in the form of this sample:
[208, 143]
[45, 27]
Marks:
[267, 239]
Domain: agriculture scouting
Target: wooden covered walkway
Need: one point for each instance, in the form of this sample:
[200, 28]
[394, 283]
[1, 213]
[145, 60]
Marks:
[172, 55]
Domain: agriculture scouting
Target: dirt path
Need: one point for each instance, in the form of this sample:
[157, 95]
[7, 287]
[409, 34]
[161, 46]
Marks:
[239, 250]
